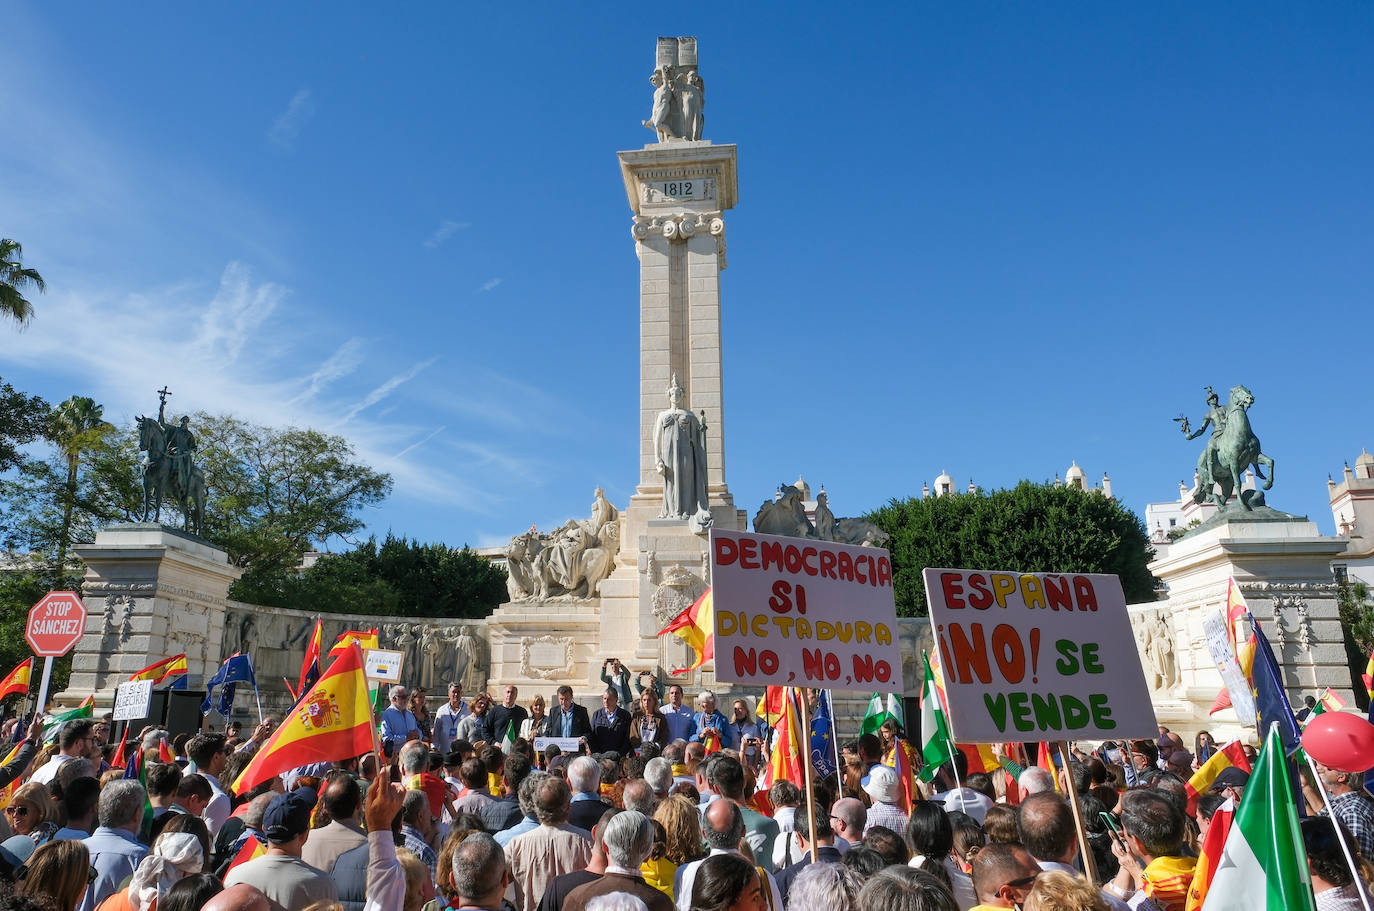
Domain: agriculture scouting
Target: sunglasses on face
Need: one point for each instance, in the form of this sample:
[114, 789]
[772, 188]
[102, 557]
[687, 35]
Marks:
[17, 810]
[1024, 881]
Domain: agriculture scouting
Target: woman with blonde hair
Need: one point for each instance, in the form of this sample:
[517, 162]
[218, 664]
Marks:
[60, 871]
[419, 883]
[32, 812]
[1055, 890]
[682, 830]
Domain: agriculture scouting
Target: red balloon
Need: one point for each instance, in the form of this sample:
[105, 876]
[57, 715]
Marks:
[1340, 741]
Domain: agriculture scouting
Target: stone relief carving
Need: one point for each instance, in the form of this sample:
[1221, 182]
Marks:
[1154, 639]
[787, 516]
[546, 671]
[569, 563]
[678, 590]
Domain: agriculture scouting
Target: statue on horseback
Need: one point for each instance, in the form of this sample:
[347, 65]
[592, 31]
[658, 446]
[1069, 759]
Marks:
[1230, 450]
[169, 468]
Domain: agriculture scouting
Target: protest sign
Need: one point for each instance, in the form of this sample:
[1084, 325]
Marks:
[801, 612]
[1219, 645]
[132, 700]
[382, 664]
[1037, 656]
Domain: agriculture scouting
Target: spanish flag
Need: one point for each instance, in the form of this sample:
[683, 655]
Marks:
[161, 671]
[367, 639]
[786, 759]
[1230, 755]
[332, 721]
[696, 627]
[7, 792]
[310, 667]
[17, 680]
[251, 850]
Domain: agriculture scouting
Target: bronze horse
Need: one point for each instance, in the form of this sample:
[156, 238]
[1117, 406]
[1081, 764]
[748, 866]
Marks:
[159, 478]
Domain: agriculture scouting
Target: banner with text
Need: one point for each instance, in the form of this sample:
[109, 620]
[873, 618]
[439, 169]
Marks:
[1037, 656]
[800, 612]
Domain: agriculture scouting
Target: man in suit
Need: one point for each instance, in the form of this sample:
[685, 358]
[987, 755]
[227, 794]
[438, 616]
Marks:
[568, 719]
[610, 726]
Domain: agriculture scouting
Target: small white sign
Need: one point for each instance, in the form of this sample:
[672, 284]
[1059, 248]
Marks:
[1219, 645]
[566, 744]
[382, 664]
[132, 700]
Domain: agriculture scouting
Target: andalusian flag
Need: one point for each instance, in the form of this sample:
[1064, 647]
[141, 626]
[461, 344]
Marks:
[936, 746]
[367, 639]
[508, 739]
[164, 670]
[696, 627]
[1210, 854]
[1263, 866]
[17, 680]
[332, 721]
[53, 724]
[1230, 755]
[874, 716]
[310, 667]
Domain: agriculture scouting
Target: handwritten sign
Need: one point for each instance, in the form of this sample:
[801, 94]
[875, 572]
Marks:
[799, 612]
[1037, 656]
[382, 664]
[1219, 646]
[132, 700]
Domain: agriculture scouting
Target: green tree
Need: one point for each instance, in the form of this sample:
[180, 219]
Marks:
[78, 425]
[14, 280]
[1030, 528]
[274, 492]
[23, 418]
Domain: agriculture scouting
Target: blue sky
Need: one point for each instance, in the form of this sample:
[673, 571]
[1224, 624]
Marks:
[988, 238]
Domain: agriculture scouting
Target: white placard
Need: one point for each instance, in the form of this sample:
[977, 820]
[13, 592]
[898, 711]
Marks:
[1219, 645]
[1037, 656]
[566, 744]
[132, 700]
[382, 664]
[799, 612]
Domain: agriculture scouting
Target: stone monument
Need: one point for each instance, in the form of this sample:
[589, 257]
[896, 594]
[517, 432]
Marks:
[679, 189]
[1281, 563]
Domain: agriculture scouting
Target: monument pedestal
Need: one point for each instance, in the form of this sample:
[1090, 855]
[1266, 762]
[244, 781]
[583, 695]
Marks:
[539, 644]
[150, 592]
[1283, 567]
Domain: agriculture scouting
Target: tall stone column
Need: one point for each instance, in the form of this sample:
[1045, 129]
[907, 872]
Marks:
[151, 592]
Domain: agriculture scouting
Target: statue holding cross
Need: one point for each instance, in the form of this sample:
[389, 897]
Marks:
[170, 468]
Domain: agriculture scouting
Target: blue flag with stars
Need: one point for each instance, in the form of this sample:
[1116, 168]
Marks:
[822, 737]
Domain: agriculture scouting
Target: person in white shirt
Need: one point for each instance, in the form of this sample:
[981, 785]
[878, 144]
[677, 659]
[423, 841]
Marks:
[209, 753]
[76, 739]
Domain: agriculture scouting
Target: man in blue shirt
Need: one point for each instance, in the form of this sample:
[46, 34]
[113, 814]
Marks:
[681, 718]
[398, 722]
[114, 846]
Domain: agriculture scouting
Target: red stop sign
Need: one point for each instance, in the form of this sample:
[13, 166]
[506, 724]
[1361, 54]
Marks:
[55, 624]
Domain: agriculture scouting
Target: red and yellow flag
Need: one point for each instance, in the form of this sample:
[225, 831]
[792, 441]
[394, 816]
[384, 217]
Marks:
[160, 671]
[696, 627]
[1210, 855]
[310, 667]
[252, 849]
[770, 706]
[7, 792]
[901, 761]
[333, 721]
[17, 680]
[365, 638]
[788, 746]
[1045, 760]
[1230, 755]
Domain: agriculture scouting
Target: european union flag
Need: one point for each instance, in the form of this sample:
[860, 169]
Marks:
[1271, 703]
[237, 669]
[822, 738]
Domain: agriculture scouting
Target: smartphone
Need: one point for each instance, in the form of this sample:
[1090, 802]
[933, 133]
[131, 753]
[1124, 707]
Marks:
[1110, 820]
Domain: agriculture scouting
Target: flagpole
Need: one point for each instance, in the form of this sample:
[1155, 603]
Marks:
[1345, 848]
[1084, 849]
[806, 776]
[835, 742]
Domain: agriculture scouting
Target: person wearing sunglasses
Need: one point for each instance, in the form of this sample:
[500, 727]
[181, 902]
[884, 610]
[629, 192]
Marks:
[32, 812]
[1003, 875]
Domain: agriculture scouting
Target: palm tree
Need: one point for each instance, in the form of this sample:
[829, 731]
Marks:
[77, 425]
[14, 278]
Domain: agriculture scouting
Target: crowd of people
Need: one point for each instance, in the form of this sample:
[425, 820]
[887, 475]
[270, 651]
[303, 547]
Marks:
[668, 807]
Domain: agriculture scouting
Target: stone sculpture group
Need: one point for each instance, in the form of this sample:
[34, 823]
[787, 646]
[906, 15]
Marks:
[569, 562]
[785, 515]
[679, 99]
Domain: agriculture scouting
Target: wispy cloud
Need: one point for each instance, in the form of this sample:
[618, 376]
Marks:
[489, 284]
[238, 309]
[340, 364]
[447, 228]
[418, 443]
[287, 125]
[384, 390]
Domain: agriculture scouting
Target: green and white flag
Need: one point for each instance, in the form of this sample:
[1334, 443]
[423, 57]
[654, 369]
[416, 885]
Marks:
[874, 717]
[508, 741]
[1263, 866]
[52, 724]
[936, 746]
[895, 710]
